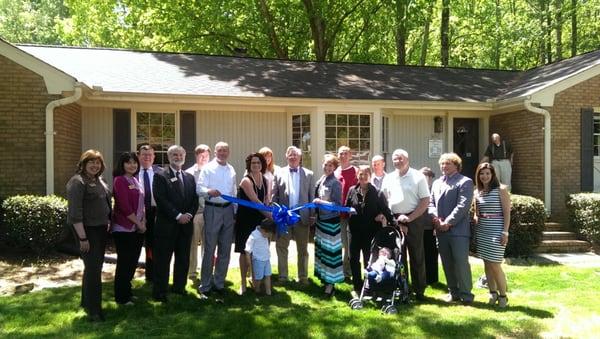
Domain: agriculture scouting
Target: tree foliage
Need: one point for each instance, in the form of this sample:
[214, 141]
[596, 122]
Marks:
[499, 34]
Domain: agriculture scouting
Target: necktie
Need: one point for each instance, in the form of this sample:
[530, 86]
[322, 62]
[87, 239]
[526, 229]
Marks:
[179, 181]
[147, 190]
[293, 170]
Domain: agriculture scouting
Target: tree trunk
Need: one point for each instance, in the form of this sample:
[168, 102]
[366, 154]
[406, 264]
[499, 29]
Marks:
[497, 36]
[317, 29]
[445, 41]
[401, 32]
[281, 52]
[426, 27]
[573, 28]
[558, 4]
[548, 32]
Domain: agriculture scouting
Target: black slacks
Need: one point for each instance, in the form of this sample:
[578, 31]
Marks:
[416, 253]
[431, 257]
[177, 242]
[149, 242]
[91, 285]
[129, 246]
[359, 243]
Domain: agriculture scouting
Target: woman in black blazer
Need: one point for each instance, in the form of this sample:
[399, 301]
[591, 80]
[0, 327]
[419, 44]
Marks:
[371, 211]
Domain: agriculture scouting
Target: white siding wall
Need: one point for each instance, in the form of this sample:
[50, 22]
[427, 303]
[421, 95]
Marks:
[97, 133]
[412, 133]
[245, 132]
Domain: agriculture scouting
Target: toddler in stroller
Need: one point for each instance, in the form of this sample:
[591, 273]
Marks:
[382, 268]
[385, 278]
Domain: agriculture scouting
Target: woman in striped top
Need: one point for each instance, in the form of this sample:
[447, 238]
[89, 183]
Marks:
[492, 219]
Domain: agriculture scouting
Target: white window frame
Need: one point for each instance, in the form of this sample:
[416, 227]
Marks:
[358, 153]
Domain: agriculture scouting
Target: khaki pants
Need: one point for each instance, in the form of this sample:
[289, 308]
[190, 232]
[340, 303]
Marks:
[300, 233]
[196, 242]
[503, 171]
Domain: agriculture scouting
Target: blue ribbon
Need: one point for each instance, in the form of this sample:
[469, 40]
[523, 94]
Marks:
[283, 216]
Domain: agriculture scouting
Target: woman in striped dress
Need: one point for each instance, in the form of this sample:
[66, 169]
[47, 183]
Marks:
[328, 239]
[492, 219]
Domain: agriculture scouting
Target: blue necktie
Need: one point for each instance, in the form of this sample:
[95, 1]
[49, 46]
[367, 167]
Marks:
[147, 190]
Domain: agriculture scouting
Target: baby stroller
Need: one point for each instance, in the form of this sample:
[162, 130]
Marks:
[393, 289]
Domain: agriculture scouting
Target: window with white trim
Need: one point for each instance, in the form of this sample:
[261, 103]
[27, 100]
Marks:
[158, 130]
[301, 137]
[352, 130]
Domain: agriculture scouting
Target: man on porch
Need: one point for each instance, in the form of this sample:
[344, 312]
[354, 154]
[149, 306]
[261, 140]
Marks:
[500, 154]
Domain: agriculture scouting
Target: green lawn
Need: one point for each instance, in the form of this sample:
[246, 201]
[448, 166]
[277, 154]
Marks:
[548, 301]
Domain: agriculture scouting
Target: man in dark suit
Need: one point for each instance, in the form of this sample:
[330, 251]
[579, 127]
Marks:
[145, 177]
[451, 197]
[294, 185]
[176, 205]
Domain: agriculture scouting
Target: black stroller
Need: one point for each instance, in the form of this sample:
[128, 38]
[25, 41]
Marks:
[388, 291]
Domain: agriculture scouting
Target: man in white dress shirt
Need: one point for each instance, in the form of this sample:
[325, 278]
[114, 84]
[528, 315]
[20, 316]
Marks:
[216, 178]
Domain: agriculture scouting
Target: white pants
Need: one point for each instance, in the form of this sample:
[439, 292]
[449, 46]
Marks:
[503, 171]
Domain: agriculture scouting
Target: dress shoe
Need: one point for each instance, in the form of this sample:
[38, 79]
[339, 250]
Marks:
[449, 298]
[161, 298]
[97, 317]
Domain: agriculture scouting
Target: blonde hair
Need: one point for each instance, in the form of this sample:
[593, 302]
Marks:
[452, 157]
[331, 158]
[267, 151]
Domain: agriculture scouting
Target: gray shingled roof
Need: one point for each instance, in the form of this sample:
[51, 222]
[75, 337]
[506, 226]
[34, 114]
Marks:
[193, 74]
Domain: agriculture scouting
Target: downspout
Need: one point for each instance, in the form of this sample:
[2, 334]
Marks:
[50, 134]
[547, 152]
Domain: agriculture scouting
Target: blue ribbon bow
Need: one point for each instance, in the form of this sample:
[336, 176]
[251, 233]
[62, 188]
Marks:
[283, 216]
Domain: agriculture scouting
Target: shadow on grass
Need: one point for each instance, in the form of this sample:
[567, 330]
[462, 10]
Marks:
[293, 311]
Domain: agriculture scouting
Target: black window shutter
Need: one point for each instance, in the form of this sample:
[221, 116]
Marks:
[187, 131]
[121, 133]
[587, 150]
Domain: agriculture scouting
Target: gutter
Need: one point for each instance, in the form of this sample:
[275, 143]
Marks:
[49, 133]
[547, 152]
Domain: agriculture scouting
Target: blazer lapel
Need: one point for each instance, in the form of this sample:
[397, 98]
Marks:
[176, 186]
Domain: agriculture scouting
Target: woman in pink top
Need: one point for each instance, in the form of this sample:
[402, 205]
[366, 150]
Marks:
[128, 224]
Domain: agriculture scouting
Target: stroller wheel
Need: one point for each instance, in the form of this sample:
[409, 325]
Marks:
[389, 309]
[356, 305]
[352, 301]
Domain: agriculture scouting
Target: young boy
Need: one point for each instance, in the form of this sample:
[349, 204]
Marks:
[257, 248]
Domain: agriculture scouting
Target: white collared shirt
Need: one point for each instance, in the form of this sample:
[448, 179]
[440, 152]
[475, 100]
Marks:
[219, 177]
[294, 187]
[404, 192]
[151, 177]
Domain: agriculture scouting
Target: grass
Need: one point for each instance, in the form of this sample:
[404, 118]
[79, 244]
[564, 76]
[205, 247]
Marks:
[545, 301]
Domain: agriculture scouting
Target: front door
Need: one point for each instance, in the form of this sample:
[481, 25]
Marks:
[466, 144]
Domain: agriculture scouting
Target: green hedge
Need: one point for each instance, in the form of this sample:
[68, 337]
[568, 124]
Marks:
[584, 214]
[34, 222]
[527, 218]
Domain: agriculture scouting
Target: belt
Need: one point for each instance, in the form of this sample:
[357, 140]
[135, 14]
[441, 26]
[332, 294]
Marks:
[216, 204]
[487, 216]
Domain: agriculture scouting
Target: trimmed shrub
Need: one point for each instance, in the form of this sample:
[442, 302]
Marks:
[527, 218]
[34, 222]
[584, 215]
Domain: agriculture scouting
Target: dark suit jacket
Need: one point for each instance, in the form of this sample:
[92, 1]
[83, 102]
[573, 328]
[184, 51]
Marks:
[170, 202]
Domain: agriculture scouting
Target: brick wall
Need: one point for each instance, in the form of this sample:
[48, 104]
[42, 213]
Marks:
[524, 130]
[23, 100]
[566, 139]
[67, 144]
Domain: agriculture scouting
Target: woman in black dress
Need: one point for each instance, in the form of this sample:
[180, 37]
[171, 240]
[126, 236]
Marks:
[253, 187]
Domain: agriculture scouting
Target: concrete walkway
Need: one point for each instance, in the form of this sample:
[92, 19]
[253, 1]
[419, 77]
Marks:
[581, 260]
